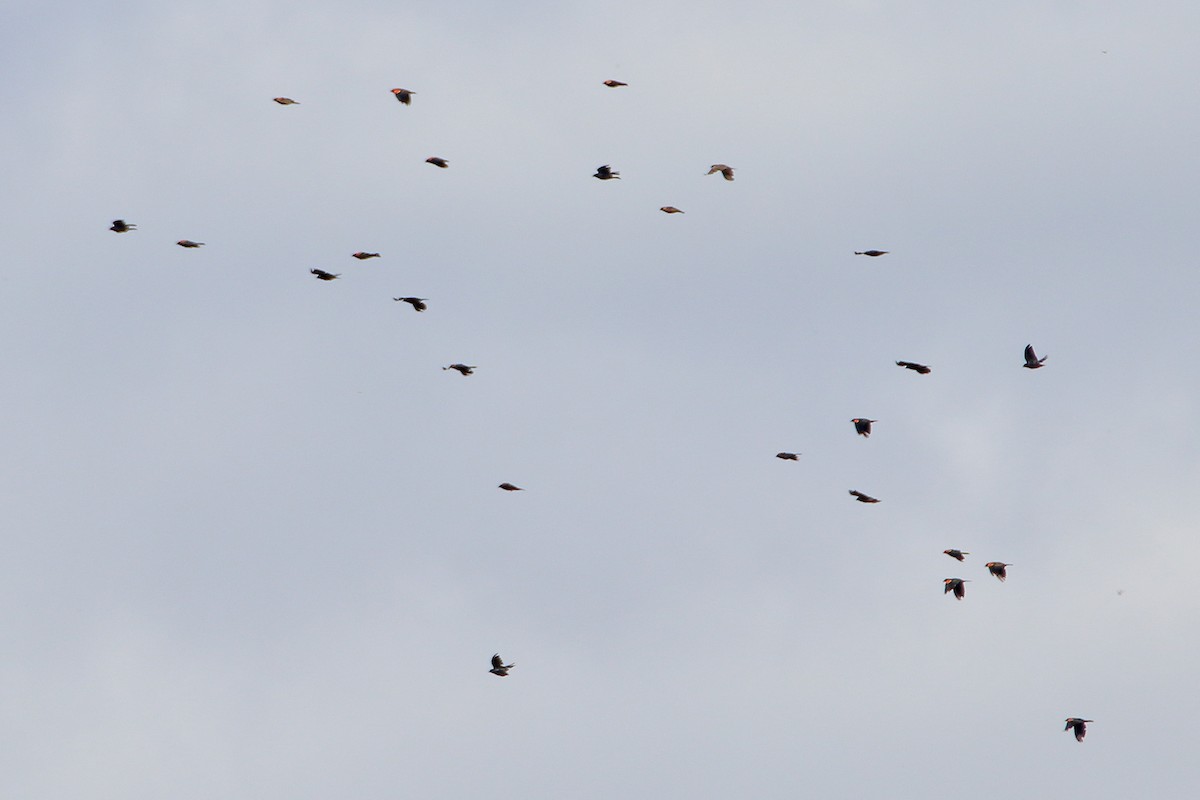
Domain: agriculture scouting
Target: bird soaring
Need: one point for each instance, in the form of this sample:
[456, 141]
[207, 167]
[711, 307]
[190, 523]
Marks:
[189, 243]
[871, 253]
[361, 256]
[499, 667]
[1080, 726]
[920, 369]
[606, 173]
[418, 303]
[1031, 359]
[121, 226]
[788, 456]
[725, 170]
[997, 569]
[462, 368]
[862, 498]
[614, 84]
[958, 554]
[404, 95]
[286, 101]
[508, 487]
[956, 585]
[322, 275]
[863, 426]
[437, 162]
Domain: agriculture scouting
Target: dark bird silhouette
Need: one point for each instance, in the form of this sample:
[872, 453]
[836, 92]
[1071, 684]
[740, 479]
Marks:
[671, 210]
[862, 498]
[614, 84]
[915, 367]
[956, 585]
[871, 253]
[418, 303]
[863, 426]
[499, 667]
[1080, 726]
[788, 456]
[322, 275]
[508, 487]
[463, 368]
[121, 226]
[725, 170]
[606, 173]
[361, 256]
[959, 554]
[189, 243]
[404, 95]
[1031, 359]
[437, 162]
[997, 569]
[286, 101]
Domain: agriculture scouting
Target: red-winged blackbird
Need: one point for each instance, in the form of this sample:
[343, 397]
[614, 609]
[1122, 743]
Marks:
[863, 426]
[959, 554]
[915, 367]
[606, 173]
[1080, 726]
[437, 162]
[418, 303]
[1031, 359]
[322, 275]
[499, 667]
[614, 84]
[862, 498]
[286, 101]
[872, 253]
[404, 95]
[671, 210]
[189, 243]
[361, 256]
[788, 456]
[463, 368]
[121, 226]
[727, 171]
[956, 585]
[997, 569]
[508, 487]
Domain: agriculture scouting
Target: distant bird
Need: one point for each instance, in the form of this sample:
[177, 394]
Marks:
[956, 585]
[614, 84]
[863, 426]
[361, 256]
[508, 487]
[959, 554]
[322, 275]
[915, 367]
[437, 162]
[463, 368]
[862, 498]
[1080, 726]
[499, 667]
[418, 303]
[189, 243]
[286, 101]
[121, 226]
[1031, 359]
[606, 173]
[727, 171]
[871, 253]
[997, 569]
[404, 95]
[671, 210]
[788, 456]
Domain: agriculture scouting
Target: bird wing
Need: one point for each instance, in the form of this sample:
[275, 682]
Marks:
[497, 661]
[1030, 356]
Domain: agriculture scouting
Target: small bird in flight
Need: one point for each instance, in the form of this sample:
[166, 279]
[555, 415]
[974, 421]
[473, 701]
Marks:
[614, 84]
[462, 368]
[606, 173]
[727, 171]
[437, 162]
[997, 569]
[956, 585]
[322, 275]
[1031, 359]
[920, 369]
[403, 95]
[286, 101]
[871, 253]
[418, 303]
[671, 210]
[508, 487]
[959, 554]
[189, 243]
[788, 456]
[863, 426]
[361, 256]
[1080, 726]
[862, 498]
[499, 667]
[121, 226]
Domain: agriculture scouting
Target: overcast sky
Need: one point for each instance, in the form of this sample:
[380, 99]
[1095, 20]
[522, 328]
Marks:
[254, 545]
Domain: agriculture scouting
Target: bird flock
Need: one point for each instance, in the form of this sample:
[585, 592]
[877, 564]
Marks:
[862, 425]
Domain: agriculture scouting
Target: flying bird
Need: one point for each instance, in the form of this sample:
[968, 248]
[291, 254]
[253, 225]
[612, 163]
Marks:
[606, 173]
[189, 243]
[863, 426]
[614, 84]
[437, 162]
[956, 585]
[997, 569]
[671, 210]
[404, 95]
[322, 275]
[727, 171]
[508, 487]
[463, 368]
[418, 303]
[959, 554]
[499, 667]
[361, 256]
[286, 101]
[862, 498]
[920, 369]
[1080, 726]
[788, 456]
[121, 226]
[1031, 359]
[871, 253]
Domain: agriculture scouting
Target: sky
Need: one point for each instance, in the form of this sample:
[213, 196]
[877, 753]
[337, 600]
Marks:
[253, 541]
